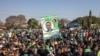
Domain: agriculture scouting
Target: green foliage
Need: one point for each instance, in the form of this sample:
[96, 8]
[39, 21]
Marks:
[83, 21]
[33, 23]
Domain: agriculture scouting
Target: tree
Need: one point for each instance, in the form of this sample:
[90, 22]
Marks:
[21, 20]
[83, 21]
[33, 23]
[1, 23]
[63, 23]
[89, 19]
[15, 21]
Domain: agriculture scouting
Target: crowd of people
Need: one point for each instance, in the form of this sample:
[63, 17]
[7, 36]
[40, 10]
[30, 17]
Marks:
[84, 42]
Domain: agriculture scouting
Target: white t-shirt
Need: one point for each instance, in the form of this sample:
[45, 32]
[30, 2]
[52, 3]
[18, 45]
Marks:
[9, 34]
[50, 54]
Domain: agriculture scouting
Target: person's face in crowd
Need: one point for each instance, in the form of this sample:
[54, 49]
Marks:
[48, 25]
[96, 48]
[1, 51]
[11, 54]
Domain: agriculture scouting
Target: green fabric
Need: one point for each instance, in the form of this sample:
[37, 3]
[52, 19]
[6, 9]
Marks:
[30, 44]
[87, 50]
[25, 54]
[47, 48]
[98, 53]
[39, 46]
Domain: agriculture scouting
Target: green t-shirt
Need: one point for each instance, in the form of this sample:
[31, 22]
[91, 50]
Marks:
[98, 53]
[47, 48]
[87, 50]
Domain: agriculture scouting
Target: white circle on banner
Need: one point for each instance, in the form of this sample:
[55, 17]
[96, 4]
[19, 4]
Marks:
[44, 26]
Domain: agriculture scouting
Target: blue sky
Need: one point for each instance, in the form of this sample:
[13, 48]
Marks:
[69, 9]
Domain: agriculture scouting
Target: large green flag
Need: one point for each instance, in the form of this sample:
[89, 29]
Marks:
[50, 27]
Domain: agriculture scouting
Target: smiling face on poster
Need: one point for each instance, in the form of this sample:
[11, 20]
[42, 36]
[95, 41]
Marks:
[50, 27]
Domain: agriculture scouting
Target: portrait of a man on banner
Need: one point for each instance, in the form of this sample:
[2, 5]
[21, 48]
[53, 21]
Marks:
[50, 27]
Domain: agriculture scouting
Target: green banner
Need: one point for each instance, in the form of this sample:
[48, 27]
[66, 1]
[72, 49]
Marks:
[50, 27]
